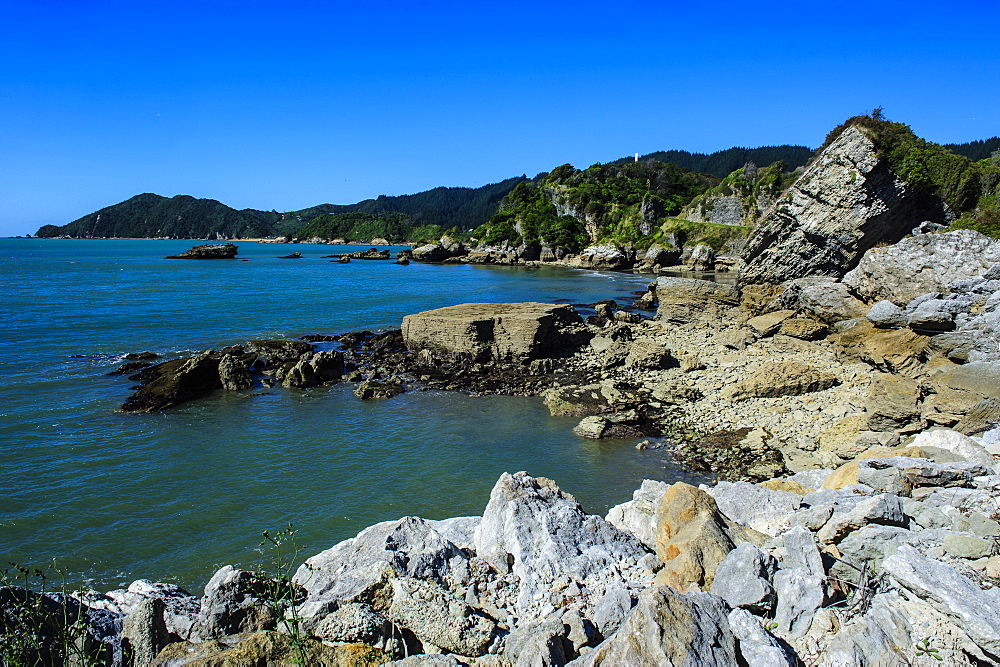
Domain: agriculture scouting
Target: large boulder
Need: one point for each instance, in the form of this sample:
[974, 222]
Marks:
[820, 297]
[436, 616]
[268, 648]
[845, 203]
[780, 378]
[494, 332]
[976, 611]
[743, 579]
[892, 402]
[238, 601]
[603, 257]
[637, 516]
[692, 537]
[926, 263]
[446, 248]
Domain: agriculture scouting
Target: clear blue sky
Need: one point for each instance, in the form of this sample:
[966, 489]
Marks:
[286, 105]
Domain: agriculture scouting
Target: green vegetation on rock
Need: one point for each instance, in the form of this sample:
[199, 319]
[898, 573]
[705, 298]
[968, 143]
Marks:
[614, 203]
[755, 187]
[690, 233]
[968, 188]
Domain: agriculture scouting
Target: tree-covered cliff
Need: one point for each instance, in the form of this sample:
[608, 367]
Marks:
[569, 208]
[742, 196]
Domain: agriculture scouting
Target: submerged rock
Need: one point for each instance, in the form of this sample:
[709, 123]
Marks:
[174, 382]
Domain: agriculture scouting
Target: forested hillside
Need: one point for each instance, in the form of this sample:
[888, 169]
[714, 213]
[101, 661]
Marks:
[183, 216]
[394, 227]
[722, 163]
[976, 150]
[465, 208]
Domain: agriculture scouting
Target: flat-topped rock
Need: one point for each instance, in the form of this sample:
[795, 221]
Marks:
[494, 332]
[208, 251]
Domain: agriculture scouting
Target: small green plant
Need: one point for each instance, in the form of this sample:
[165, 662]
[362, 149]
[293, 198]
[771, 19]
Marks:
[924, 648]
[39, 626]
[283, 595]
[771, 625]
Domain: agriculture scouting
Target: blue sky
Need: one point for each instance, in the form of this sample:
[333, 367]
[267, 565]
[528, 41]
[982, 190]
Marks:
[287, 105]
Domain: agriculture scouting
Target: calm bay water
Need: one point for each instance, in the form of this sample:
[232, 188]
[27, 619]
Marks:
[173, 496]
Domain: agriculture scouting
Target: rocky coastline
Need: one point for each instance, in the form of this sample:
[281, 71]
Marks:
[845, 391]
[853, 423]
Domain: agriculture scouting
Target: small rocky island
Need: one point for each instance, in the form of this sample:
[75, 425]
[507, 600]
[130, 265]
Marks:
[208, 251]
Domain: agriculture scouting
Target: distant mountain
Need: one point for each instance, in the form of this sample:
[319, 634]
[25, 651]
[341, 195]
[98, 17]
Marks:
[722, 163]
[152, 216]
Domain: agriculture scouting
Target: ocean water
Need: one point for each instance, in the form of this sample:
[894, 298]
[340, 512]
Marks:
[173, 496]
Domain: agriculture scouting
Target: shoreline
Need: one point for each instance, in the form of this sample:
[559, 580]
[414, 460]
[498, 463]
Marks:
[874, 473]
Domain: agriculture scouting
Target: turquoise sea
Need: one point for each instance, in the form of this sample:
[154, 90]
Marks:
[173, 496]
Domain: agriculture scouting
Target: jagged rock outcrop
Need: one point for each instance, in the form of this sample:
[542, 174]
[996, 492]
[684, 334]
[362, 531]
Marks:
[926, 263]
[314, 369]
[208, 251]
[503, 333]
[716, 209]
[351, 570]
[845, 203]
[538, 533]
[446, 248]
[702, 258]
